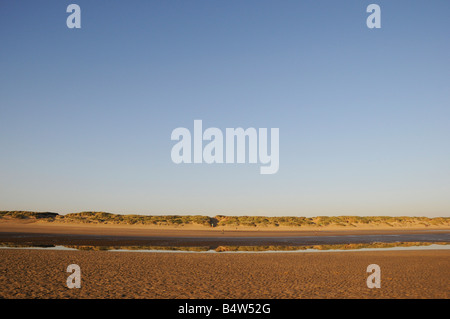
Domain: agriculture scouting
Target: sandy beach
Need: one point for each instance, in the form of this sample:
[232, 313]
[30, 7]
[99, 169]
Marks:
[404, 274]
[27, 273]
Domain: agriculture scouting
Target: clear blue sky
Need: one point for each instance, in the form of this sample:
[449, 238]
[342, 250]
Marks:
[364, 114]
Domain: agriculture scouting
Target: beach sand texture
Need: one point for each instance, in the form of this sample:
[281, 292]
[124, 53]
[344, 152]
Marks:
[404, 274]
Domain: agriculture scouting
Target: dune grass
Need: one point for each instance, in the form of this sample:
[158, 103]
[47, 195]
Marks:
[225, 221]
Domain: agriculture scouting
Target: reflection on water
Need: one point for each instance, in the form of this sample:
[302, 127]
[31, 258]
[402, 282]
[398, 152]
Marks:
[243, 249]
[35, 247]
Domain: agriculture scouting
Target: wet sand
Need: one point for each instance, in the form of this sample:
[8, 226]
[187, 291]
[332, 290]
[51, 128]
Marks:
[60, 234]
[28, 239]
[404, 274]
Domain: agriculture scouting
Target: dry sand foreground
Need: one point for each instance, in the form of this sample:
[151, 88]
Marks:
[404, 274]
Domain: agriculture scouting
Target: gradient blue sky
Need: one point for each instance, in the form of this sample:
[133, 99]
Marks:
[364, 115]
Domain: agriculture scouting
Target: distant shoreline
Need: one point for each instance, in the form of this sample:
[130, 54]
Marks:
[71, 227]
[102, 229]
